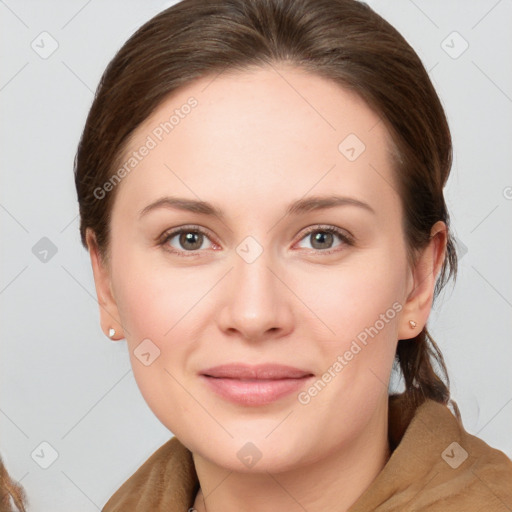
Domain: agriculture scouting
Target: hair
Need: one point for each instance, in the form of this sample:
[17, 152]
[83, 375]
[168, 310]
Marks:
[341, 40]
[11, 492]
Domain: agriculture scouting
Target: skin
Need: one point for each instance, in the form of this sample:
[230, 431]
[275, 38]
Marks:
[251, 146]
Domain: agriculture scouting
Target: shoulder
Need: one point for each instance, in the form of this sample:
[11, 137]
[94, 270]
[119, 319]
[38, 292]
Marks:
[464, 471]
[436, 465]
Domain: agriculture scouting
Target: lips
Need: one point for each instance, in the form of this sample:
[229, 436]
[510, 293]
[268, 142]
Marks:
[259, 372]
[254, 385]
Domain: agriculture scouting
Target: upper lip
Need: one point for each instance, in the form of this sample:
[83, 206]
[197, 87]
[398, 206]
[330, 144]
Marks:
[258, 372]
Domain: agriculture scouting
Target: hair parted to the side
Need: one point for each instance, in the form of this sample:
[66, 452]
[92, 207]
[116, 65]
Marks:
[341, 40]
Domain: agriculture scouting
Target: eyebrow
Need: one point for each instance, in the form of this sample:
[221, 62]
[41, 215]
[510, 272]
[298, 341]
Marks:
[298, 207]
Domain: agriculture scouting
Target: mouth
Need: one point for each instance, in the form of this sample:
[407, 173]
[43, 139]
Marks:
[254, 385]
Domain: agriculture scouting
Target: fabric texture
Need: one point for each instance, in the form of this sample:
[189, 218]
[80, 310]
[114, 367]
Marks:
[435, 466]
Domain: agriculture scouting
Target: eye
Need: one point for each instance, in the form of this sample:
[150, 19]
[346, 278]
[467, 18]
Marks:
[190, 239]
[322, 238]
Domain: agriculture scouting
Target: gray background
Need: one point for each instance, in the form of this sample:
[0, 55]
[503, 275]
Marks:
[64, 383]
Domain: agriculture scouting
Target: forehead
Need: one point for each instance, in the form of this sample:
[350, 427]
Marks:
[260, 129]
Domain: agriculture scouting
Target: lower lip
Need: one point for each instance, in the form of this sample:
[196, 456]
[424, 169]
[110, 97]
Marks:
[254, 392]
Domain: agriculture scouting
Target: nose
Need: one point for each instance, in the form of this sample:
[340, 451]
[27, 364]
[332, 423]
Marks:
[257, 304]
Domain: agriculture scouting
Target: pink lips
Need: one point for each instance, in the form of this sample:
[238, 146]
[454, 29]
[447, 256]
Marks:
[254, 385]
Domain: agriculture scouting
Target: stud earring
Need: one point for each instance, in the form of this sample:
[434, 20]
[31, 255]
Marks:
[111, 332]
[412, 324]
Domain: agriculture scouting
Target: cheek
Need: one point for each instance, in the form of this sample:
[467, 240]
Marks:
[152, 298]
[358, 306]
[151, 302]
[153, 305]
[346, 299]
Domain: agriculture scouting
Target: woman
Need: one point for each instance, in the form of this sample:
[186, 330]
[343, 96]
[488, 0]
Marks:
[248, 129]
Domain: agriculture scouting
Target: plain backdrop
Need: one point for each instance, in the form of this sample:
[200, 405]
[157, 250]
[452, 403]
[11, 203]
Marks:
[68, 397]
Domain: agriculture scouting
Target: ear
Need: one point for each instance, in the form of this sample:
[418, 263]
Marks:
[109, 314]
[424, 274]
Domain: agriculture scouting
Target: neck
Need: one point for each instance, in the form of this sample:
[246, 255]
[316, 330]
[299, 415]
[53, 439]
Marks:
[337, 479]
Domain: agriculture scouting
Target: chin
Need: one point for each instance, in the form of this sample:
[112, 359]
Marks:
[258, 455]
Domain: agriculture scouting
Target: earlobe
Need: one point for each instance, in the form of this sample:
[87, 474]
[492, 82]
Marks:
[109, 314]
[424, 275]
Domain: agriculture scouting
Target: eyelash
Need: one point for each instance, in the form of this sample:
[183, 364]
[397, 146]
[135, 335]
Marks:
[344, 237]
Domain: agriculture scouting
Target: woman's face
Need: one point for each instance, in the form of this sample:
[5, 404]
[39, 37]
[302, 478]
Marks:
[253, 287]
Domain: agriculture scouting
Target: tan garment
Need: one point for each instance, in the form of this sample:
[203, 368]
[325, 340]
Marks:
[425, 472]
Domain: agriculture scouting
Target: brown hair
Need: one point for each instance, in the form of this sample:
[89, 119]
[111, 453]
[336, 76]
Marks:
[342, 40]
[10, 492]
